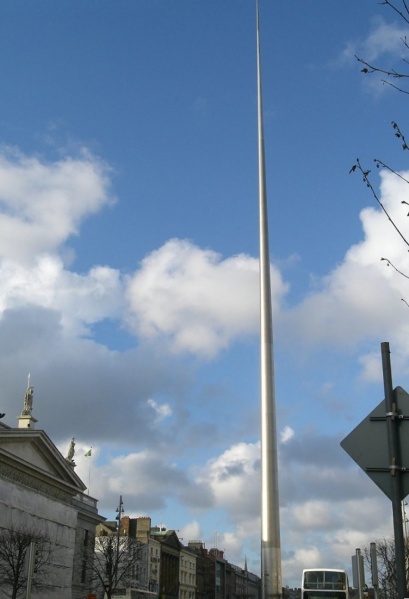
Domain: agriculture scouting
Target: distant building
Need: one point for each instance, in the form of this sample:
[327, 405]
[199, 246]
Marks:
[170, 556]
[40, 492]
[169, 571]
[218, 579]
[172, 570]
[187, 574]
[143, 569]
[205, 571]
[141, 528]
[219, 573]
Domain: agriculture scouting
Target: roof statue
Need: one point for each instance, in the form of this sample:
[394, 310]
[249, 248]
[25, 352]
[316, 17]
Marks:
[71, 451]
[28, 401]
[26, 419]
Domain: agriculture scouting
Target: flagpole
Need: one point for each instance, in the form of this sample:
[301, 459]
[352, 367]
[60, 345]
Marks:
[89, 477]
[270, 519]
[89, 454]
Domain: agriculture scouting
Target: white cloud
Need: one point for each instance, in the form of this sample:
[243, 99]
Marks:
[286, 434]
[147, 479]
[162, 411]
[384, 48]
[233, 478]
[195, 299]
[192, 531]
[81, 299]
[313, 514]
[360, 300]
[384, 38]
[312, 542]
[42, 204]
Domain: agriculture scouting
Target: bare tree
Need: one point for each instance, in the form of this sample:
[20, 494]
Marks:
[115, 562]
[382, 165]
[386, 562]
[14, 553]
[389, 76]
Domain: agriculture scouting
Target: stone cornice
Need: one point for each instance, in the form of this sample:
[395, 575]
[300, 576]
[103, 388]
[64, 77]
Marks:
[21, 477]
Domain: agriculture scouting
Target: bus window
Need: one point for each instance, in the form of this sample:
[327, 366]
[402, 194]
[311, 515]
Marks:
[323, 583]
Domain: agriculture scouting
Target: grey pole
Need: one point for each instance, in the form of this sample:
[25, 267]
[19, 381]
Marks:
[374, 570]
[271, 583]
[392, 423]
[120, 510]
[30, 570]
[360, 572]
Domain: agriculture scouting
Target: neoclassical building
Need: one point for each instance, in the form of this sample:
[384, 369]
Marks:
[41, 493]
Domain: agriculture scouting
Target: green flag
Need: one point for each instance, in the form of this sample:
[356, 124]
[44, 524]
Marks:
[89, 452]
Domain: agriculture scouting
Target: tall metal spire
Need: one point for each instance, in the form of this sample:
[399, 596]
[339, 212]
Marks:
[270, 519]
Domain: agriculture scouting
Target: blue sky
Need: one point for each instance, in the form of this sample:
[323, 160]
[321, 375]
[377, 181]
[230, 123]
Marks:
[129, 256]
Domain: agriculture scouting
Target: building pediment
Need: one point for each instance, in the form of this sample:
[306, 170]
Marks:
[171, 539]
[31, 453]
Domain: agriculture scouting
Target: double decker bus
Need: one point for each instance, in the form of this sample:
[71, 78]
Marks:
[324, 583]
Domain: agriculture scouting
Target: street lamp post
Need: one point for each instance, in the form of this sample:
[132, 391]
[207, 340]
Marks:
[120, 511]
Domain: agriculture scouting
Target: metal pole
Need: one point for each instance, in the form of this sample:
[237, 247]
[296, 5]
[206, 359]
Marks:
[392, 423]
[30, 569]
[405, 520]
[271, 583]
[360, 572]
[374, 570]
[119, 510]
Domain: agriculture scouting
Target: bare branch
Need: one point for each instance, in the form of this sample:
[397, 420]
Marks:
[400, 13]
[399, 89]
[389, 263]
[400, 135]
[380, 164]
[386, 563]
[113, 564]
[14, 550]
[369, 68]
[365, 177]
[391, 73]
[402, 10]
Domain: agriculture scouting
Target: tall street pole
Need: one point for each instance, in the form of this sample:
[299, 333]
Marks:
[120, 511]
[393, 427]
[270, 518]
